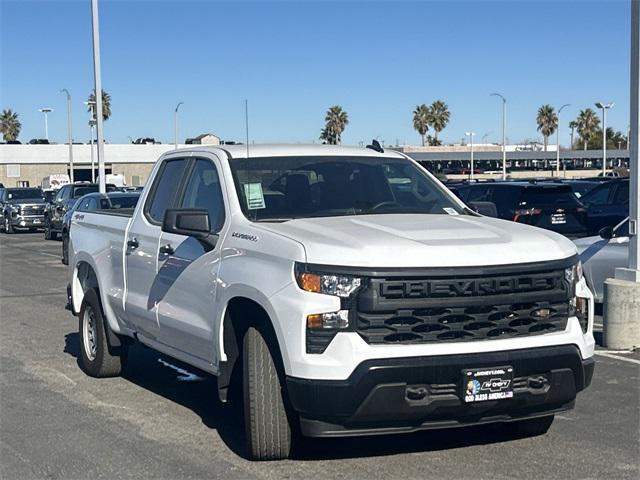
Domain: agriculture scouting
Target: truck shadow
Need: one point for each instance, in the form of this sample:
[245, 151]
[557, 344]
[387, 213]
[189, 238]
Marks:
[197, 391]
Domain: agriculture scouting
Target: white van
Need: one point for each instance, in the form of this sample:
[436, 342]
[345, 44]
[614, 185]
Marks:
[55, 181]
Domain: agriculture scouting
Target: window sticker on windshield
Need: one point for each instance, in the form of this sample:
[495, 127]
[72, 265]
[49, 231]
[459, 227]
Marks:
[254, 195]
[450, 211]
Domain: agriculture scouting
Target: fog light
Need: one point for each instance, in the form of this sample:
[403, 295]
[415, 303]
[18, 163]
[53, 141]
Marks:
[334, 320]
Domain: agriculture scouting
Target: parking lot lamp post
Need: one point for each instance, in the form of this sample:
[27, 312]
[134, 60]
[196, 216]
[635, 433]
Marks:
[175, 124]
[604, 107]
[64, 90]
[470, 135]
[92, 123]
[95, 22]
[504, 131]
[558, 141]
[46, 112]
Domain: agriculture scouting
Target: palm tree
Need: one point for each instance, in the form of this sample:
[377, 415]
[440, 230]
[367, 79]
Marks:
[10, 126]
[573, 124]
[588, 125]
[106, 104]
[421, 117]
[438, 117]
[336, 120]
[547, 122]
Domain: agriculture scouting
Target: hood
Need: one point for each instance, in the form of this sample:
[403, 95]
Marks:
[410, 240]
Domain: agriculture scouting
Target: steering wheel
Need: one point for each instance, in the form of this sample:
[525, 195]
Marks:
[386, 203]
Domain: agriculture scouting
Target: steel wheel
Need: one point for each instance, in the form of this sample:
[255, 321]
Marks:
[89, 333]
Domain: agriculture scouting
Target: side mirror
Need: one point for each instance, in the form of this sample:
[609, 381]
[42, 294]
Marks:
[192, 222]
[606, 233]
[488, 209]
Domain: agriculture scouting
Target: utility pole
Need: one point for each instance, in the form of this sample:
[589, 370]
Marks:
[604, 107]
[621, 312]
[558, 141]
[98, 92]
[470, 135]
[175, 125]
[46, 112]
[70, 134]
[504, 130]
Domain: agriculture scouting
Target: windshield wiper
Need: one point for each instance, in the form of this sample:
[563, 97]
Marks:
[274, 220]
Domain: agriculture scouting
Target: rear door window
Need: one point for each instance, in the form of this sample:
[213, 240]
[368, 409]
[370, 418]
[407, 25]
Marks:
[505, 198]
[598, 196]
[165, 188]
[621, 195]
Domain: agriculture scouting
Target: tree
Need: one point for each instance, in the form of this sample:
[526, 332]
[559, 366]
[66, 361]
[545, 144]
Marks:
[438, 118]
[588, 125]
[547, 122]
[421, 117]
[106, 104]
[10, 126]
[335, 121]
[573, 125]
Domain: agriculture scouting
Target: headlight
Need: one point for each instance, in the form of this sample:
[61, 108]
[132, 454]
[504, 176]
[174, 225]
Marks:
[338, 285]
[578, 306]
[15, 208]
[573, 275]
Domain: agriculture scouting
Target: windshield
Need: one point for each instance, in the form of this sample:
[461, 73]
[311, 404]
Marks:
[283, 188]
[23, 193]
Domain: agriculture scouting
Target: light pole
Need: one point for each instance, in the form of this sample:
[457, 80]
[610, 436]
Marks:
[92, 123]
[558, 140]
[70, 134]
[46, 112]
[98, 92]
[470, 135]
[504, 130]
[175, 124]
[604, 107]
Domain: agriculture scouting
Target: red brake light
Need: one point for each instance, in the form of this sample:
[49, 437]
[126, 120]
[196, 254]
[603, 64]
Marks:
[524, 212]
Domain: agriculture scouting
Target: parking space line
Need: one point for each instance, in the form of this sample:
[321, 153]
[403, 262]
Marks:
[617, 357]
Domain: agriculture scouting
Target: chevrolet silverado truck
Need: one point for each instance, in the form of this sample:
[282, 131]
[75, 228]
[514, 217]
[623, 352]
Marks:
[334, 291]
[21, 209]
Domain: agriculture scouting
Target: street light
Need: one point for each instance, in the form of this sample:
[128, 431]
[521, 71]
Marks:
[46, 112]
[558, 141]
[175, 124]
[470, 135]
[95, 23]
[504, 129]
[92, 123]
[64, 90]
[604, 107]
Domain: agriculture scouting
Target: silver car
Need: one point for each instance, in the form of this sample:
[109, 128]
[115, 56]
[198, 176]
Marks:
[602, 254]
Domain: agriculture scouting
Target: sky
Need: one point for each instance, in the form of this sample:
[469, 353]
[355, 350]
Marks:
[292, 60]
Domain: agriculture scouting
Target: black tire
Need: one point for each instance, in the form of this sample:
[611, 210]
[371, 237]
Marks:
[531, 427]
[48, 234]
[65, 248]
[97, 359]
[8, 226]
[266, 422]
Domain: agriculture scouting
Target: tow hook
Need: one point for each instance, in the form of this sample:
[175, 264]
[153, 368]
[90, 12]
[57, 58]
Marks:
[416, 393]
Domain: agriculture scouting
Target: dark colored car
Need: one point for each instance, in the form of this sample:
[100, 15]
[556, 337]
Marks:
[607, 204]
[548, 205]
[65, 199]
[95, 201]
[21, 209]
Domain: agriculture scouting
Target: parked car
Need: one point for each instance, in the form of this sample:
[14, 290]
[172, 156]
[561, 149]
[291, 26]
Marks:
[346, 290]
[95, 201]
[548, 205]
[21, 209]
[607, 205]
[602, 254]
[65, 199]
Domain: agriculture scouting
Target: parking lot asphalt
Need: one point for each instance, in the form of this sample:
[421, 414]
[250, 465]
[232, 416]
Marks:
[159, 422]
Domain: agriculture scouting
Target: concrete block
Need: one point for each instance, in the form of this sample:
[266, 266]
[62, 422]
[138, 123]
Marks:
[621, 314]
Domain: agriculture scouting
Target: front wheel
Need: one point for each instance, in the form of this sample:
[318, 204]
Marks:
[65, 248]
[48, 234]
[8, 226]
[97, 359]
[265, 415]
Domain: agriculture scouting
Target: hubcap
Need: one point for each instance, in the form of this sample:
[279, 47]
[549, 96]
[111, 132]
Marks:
[89, 333]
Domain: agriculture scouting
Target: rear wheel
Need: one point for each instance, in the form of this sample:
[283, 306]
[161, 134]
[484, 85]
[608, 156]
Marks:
[266, 421]
[97, 359]
[531, 427]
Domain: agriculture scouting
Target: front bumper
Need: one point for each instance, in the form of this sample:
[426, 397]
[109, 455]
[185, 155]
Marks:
[24, 221]
[375, 400]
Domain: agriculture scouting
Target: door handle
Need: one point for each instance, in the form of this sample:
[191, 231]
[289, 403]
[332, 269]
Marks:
[167, 249]
[133, 243]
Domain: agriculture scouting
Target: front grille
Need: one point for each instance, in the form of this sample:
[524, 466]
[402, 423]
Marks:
[458, 306]
[455, 324]
[32, 210]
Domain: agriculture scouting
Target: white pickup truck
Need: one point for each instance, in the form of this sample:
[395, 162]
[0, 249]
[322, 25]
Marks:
[347, 288]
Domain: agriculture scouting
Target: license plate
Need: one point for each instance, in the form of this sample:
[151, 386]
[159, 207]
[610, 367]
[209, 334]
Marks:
[484, 384]
[558, 218]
